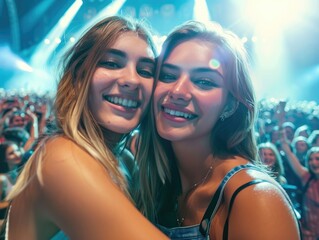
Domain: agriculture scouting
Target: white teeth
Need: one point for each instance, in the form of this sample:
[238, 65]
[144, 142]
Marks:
[178, 113]
[122, 101]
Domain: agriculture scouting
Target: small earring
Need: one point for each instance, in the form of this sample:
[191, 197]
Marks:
[222, 117]
[229, 113]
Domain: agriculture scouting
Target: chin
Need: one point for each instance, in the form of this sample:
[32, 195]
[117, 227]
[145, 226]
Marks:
[169, 136]
[121, 128]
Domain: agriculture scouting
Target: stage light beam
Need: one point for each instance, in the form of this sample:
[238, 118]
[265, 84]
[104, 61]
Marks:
[200, 11]
[45, 50]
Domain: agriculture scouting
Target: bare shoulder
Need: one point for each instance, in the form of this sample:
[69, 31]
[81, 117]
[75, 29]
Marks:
[61, 147]
[79, 195]
[63, 156]
[260, 209]
[64, 162]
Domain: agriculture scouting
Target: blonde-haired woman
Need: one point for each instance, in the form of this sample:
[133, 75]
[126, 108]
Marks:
[72, 186]
[270, 156]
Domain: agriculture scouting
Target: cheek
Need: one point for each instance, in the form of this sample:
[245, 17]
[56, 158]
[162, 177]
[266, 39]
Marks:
[158, 94]
[102, 79]
[93, 104]
[91, 100]
[212, 110]
[213, 102]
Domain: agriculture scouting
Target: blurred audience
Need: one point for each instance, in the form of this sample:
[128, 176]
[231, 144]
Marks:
[25, 117]
[10, 160]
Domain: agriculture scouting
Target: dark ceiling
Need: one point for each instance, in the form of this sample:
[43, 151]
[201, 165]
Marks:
[35, 18]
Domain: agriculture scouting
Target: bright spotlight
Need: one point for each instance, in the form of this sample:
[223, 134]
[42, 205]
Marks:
[57, 40]
[23, 66]
[254, 39]
[273, 15]
[269, 19]
[244, 39]
[9, 60]
[200, 11]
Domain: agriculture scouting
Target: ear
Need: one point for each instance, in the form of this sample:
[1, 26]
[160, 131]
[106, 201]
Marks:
[229, 109]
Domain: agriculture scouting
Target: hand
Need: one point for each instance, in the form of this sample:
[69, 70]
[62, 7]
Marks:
[280, 112]
[285, 144]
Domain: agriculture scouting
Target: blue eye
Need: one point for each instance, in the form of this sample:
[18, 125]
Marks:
[167, 77]
[205, 83]
[145, 73]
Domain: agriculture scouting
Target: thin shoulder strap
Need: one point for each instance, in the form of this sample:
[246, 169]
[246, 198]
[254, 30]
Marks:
[256, 181]
[205, 223]
[225, 232]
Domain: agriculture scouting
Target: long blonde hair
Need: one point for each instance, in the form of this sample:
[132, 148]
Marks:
[73, 117]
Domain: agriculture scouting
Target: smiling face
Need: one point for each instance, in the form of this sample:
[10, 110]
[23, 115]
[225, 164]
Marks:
[17, 120]
[13, 155]
[190, 95]
[267, 156]
[122, 84]
[314, 163]
[301, 147]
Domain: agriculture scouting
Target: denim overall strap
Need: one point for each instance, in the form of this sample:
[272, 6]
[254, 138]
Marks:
[205, 223]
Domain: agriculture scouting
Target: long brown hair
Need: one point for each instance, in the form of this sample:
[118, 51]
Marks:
[232, 136]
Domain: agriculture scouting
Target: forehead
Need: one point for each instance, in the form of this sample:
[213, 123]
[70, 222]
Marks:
[12, 147]
[132, 44]
[267, 150]
[196, 53]
[314, 155]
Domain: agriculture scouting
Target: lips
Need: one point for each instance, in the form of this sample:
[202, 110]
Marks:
[122, 101]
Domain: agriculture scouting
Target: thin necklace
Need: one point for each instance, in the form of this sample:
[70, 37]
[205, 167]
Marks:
[180, 220]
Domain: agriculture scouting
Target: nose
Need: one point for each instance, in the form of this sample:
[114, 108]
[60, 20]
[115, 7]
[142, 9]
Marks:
[130, 79]
[180, 89]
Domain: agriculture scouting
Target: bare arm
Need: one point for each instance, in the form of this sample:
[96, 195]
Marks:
[294, 162]
[79, 196]
[42, 123]
[4, 118]
[34, 133]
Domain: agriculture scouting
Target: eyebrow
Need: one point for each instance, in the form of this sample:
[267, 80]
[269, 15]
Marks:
[147, 60]
[116, 52]
[196, 70]
[124, 55]
[207, 70]
[170, 66]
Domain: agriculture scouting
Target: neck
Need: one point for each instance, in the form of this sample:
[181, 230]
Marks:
[111, 139]
[194, 160]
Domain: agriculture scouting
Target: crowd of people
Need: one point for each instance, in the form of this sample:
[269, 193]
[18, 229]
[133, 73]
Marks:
[171, 144]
